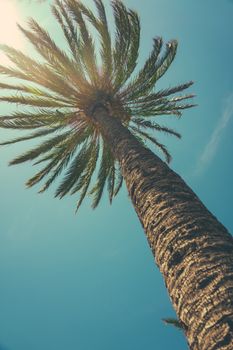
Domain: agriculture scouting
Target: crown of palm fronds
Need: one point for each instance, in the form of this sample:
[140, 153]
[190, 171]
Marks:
[61, 90]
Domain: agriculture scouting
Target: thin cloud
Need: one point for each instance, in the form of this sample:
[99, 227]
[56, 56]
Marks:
[213, 144]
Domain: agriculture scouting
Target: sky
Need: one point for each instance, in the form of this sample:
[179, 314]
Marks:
[88, 281]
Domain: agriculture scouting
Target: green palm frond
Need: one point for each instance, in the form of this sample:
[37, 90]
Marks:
[33, 120]
[122, 42]
[105, 166]
[75, 170]
[86, 177]
[35, 101]
[147, 124]
[35, 91]
[106, 46]
[127, 43]
[57, 59]
[70, 32]
[165, 107]
[38, 73]
[42, 148]
[36, 134]
[85, 180]
[65, 153]
[45, 171]
[173, 90]
[158, 98]
[114, 180]
[164, 62]
[86, 45]
[133, 51]
[137, 87]
[68, 28]
[111, 183]
[25, 124]
[118, 182]
[152, 139]
[62, 88]
[101, 25]
[173, 322]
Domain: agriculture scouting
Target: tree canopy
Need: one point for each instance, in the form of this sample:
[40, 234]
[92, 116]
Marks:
[61, 90]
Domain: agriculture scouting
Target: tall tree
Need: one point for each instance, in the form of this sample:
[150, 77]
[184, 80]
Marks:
[95, 111]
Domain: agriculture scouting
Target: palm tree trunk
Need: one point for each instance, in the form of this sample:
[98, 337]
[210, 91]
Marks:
[192, 249]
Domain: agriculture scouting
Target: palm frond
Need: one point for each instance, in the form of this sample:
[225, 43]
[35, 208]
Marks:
[86, 45]
[76, 169]
[174, 322]
[57, 58]
[160, 108]
[40, 133]
[133, 52]
[154, 99]
[122, 42]
[106, 49]
[23, 123]
[170, 91]
[59, 159]
[42, 148]
[45, 171]
[118, 181]
[35, 91]
[147, 124]
[101, 25]
[105, 166]
[35, 101]
[164, 62]
[33, 120]
[84, 181]
[89, 169]
[30, 70]
[111, 182]
[136, 88]
[65, 153]
[70, 32]
[161, 64]
[152, 139]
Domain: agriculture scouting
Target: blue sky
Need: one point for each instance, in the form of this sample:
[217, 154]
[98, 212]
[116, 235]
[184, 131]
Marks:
[88, 281]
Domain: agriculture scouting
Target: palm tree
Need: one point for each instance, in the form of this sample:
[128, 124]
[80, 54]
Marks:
[100, 113]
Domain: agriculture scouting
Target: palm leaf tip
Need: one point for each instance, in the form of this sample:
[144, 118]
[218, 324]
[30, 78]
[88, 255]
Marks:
[173, 322]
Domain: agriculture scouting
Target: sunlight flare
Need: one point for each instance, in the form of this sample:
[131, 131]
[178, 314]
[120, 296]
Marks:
[9, 32]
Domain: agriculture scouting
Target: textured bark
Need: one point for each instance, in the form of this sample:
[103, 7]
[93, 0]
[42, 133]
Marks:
[192, 249]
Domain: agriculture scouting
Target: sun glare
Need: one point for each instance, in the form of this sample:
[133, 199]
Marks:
[9, 32]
